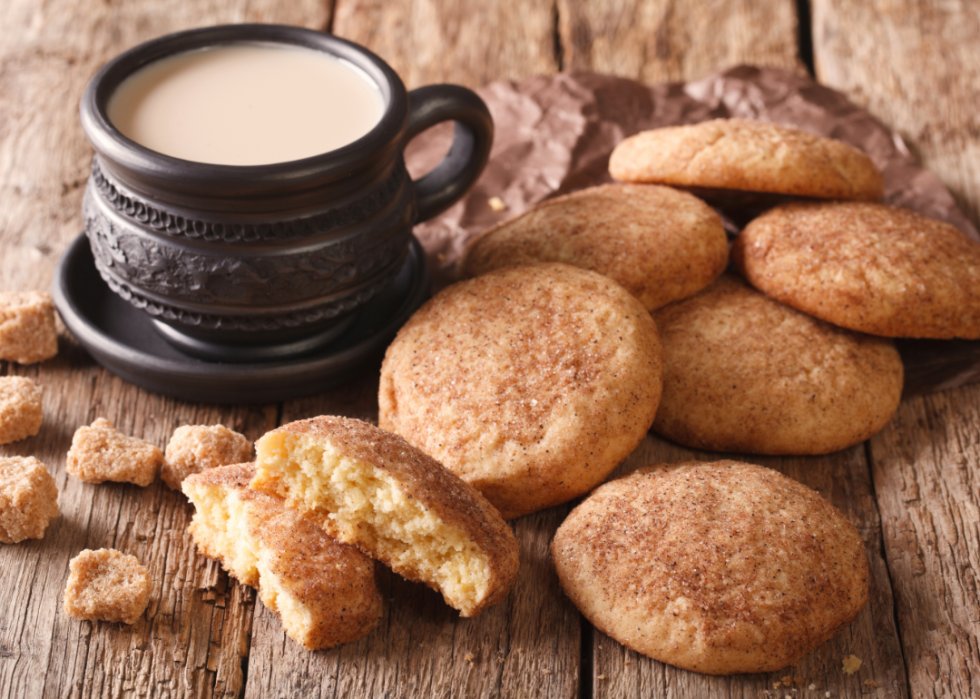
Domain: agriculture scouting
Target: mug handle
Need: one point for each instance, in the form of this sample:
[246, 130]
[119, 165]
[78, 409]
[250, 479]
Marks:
[469, 152]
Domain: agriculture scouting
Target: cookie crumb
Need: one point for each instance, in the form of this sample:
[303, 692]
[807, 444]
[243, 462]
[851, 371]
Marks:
[600, 677]
[852, 664]
[101, 453]
[28, 499]
[547, 672]
[787, 681]
[107, 585]
[870, 684]
[497, 204]
[812, 687]
[468, 657]
[20, 409]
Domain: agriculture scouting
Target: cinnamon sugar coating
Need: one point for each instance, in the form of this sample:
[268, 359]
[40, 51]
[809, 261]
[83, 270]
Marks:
[323, 591]
[877, 269]
[28, 499]
[660, 244]
[20, 408]
[27, 328]
[530, 382]
[196, 448]
[720, 568]
[102, 453]
[106, 585]
[746, 374]
[747, 155]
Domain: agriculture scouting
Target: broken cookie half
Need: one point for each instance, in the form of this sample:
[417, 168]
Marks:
[371, 488]
[323, 591]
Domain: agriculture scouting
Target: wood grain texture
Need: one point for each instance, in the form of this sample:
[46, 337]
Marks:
[914, 64]
[673, 40]
[927, 477]
[468, 43]
[844, 479]
[193, 639]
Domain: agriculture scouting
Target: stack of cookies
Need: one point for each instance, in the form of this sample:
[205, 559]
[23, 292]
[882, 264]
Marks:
[597, 315]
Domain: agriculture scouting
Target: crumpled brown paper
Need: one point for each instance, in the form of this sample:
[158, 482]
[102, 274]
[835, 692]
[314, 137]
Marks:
[554, 135]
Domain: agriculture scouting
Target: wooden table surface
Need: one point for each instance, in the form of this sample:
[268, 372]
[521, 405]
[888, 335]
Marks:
[913, 491]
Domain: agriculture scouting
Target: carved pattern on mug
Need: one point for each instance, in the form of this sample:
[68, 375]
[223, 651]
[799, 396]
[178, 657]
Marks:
[155, 267]
[160, 220]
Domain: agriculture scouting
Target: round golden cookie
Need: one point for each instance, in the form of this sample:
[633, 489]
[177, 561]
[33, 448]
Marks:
[744, 373]
[878, 269]
[659, 243]
[719, 568]
[531, 383]
[747, 155]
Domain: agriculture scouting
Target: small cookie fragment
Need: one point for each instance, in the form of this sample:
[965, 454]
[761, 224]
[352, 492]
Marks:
[106, 585]
[196, 448]
[372, 489]
[660, 244]
[747, 155]
[720, 568]
[873, 268]
[531, 383]
[323, 591]
[28, 499]
[102, 453]
[851, 664]
[746, 374]
[27, 328]
[20, 408]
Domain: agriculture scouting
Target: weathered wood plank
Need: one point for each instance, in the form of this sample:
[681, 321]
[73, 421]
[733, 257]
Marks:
[468, 43]
[845, 480]
[673, 40]
[194, 636]
[926, 466]
[914, 64]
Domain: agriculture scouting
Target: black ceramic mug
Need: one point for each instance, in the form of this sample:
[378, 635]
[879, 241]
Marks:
[245, 263]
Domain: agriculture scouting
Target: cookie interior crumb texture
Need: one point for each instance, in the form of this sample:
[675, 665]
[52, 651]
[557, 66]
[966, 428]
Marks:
[27, 329]
[20, 408]
[107, 585]
[102, 453]
[719, 568]
[28, 499]
[324, 592]
[374, 490]
[195, 448]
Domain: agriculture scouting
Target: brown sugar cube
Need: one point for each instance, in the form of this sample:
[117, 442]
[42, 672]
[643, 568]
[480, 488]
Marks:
[196, 448]
[28, 499]
[107, 585]
[27, 330]
[102, 453]
[20, 408]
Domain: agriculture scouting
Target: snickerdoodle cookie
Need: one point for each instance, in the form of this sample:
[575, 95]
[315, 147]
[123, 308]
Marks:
[744, 373]
[531, 382]
[869, 267]
[751, 156]
[372, 489]
[323, 591]
[719, 568]
[659, 243]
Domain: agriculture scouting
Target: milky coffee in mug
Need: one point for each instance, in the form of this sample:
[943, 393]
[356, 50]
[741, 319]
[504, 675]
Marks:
[246, 104]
